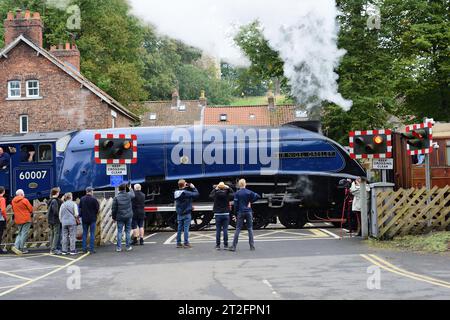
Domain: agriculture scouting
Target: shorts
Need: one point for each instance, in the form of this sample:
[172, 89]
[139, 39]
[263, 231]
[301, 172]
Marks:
[137, 223]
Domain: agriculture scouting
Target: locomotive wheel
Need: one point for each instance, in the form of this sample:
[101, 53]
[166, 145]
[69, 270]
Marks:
[258, 222]
[200, 220]
[292, 219]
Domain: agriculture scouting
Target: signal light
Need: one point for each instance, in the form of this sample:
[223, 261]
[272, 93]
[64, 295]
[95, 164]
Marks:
[419, 138]
[378, 139]
[371, 144]
[107, 144]
[115, 148]
[126, 145]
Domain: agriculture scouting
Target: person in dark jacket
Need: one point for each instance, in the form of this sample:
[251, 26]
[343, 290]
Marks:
[138, 215]
[89, 208]
[4, 159]
[242, 204]
[222, 194]
[3, 217]
[53, 220]
[122, 212]
[183, 202]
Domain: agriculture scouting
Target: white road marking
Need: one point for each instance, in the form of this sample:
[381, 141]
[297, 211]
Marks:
[145, 242]
[330, 233]
[168, 241]
[267, 283]
[150, 235]
[33, 269]
[25, 257]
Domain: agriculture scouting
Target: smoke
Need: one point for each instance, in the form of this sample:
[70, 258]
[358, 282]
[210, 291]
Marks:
[58, 4]
[304, 32]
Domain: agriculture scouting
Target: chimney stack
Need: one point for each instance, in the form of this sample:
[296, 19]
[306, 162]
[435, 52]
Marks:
[68, 53]
[203, 101]
[30, 26]
[175, 99]
[271, 100]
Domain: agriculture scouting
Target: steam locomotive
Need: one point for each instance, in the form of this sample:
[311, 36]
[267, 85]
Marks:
[296, 171]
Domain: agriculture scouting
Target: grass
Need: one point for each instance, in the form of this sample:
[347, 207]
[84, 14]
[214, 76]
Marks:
[257, 101]
[436, 242]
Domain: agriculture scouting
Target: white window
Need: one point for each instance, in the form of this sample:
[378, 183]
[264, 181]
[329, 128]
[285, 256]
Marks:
[14, 89]
[152, 116]
[223, 117]
[114, 117]
[23, 124]
[252, 116]
[32, 88]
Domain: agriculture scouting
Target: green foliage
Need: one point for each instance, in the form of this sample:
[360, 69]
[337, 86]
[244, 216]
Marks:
[434, 243]
[192, 80]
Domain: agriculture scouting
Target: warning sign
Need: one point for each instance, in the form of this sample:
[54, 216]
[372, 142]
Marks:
[383, 164]
[116, 169]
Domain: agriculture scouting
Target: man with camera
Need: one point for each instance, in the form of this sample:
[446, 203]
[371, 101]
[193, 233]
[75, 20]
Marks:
[183, 201]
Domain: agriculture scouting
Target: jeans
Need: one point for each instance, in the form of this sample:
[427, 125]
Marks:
[120, 226]
[22, 236]
[86, 228]
[69, 234]
[55, 237]
[184, 222]
[2, 228]
[222, 222]
[248, 217]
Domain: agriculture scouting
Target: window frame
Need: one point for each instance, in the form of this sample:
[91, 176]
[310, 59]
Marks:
[152, 116]
[22, 116]
[28, 95]
[223, 117]
[10, 89]
[39, 153]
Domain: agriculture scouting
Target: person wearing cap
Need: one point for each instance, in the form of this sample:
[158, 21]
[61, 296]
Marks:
[222, 194]
[89, 208]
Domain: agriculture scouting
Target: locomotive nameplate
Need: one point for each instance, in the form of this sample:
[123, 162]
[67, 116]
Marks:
[307, 154]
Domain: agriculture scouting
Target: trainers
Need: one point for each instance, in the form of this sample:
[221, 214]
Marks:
[92, 251]
[225, 247]
[118, 249]
[187, 246]
[130, 248]
[64, 253]
[141, 241]
[73, 253]
[16, 251]
[179, 246]
[252, 248]
[3, 251]
[25, 251]
[232, 249]
[134, 241]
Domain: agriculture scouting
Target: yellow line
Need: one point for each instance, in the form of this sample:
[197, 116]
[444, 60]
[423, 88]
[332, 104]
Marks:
[24, 257]
[33, 269]
[14, 275]
[43, 276]
[319, 233]
[408, 272]
[418, 278]
[60, 257]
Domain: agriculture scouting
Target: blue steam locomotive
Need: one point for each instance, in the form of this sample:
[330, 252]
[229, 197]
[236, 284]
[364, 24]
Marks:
[296, 171]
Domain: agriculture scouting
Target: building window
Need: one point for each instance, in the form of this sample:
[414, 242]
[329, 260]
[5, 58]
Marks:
[182, 108]
[448, 153]
[152, 116]
[14, 89]
[223, 117]
[32, 88]
[252, 116]
[301, 114]
[23, 120]
[27, 153]
[114, 117]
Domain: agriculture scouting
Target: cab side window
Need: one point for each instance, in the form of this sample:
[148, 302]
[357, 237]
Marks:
[45, 153]
[27, 153]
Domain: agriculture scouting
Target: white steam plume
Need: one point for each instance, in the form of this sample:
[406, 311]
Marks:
[304, 32]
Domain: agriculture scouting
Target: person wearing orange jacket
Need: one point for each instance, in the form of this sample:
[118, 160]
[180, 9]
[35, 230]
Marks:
[2, 217]
[23, 212]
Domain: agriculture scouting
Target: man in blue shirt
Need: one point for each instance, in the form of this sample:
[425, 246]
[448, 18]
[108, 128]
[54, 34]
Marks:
[4, 159]
[242, 203]
[183, 201]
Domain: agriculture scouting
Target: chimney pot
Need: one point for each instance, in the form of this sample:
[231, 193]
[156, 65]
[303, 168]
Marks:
[60, 46]
[36, 15]
[10, 16]
[18, 14]
[67, 46]
[52, 48]
[271, 100]
[175, 98]
[27, 14]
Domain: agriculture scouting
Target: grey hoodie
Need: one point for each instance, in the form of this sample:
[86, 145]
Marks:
[67, 213]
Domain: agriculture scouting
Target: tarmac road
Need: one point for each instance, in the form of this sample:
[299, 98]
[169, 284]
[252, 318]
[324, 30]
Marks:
[287, 264]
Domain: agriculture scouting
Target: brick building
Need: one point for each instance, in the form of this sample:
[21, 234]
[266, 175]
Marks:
[44, 90]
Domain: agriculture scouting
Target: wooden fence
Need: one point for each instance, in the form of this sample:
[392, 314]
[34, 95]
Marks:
[412, 211]
[39, 232]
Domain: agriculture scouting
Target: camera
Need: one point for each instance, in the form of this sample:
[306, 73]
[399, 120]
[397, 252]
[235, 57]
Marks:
[344, 184]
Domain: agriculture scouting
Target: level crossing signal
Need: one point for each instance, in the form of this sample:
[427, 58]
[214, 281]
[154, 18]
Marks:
[115, 149]
[419, 138]
[371, 144]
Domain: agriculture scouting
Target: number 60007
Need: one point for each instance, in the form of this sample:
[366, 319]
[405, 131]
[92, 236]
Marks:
[32, 175]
